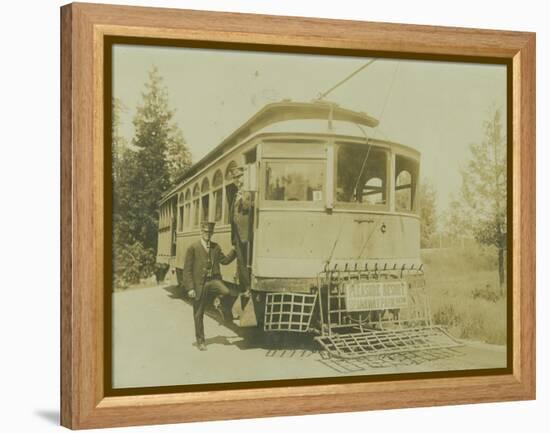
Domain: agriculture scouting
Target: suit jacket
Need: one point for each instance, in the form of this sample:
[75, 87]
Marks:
[242, 214]
[199, 265]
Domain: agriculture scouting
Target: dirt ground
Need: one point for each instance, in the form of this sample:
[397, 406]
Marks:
[153, 345]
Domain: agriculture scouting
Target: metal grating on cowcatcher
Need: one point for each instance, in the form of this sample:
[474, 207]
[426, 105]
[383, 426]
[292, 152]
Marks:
[386, 342]
[289, 311]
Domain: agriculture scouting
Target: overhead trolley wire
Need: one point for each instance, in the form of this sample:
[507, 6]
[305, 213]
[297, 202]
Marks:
[353, 74]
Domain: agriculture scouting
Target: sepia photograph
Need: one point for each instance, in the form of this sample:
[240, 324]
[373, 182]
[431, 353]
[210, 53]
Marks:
[281, 216]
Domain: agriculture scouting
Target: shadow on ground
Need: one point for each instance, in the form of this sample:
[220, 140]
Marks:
[276, 344]
[293, 345]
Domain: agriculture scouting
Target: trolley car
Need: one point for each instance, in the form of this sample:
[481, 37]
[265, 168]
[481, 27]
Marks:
[335, 244]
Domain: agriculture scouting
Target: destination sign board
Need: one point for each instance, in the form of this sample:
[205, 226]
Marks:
[375, 295]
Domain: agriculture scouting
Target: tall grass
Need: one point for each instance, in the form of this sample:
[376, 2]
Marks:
[462, 286]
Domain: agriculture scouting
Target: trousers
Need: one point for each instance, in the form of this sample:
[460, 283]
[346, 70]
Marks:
[199, 305]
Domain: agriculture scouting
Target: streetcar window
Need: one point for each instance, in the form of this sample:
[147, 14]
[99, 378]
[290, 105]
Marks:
[295, 180]
[218, 203]
[180, 212]
[218, 179]
[250, 156]
[187, 216]
[205, 207]
[362, 172]
[373, 191]
[205, 200]
[406, 173]
[217, 184]
[230, 193]
[229, 171]
[196, 206]
[205, 187]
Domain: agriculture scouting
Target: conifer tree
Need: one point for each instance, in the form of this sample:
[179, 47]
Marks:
[157, 156]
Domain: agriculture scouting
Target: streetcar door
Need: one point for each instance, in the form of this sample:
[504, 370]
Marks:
[250, 190]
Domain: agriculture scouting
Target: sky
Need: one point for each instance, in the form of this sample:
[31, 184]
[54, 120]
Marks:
[435, 107]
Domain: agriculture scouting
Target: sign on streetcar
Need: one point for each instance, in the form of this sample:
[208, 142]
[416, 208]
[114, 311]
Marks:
[368, 296]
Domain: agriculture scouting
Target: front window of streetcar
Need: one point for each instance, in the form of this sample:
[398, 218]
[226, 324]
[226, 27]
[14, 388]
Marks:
[295, 181]
[406, 174]
[362, 175]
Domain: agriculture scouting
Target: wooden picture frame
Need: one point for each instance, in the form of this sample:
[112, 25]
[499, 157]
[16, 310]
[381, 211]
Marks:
[84, 27]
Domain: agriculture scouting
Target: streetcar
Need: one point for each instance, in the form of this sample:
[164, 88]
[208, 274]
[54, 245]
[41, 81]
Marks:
[334, 245]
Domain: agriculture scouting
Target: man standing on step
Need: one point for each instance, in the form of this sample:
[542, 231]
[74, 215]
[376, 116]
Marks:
[241, 214]
[202, 275]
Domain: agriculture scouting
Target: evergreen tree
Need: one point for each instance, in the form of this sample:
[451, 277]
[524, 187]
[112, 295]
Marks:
[178, 156]
[118, 142]
[147, 169]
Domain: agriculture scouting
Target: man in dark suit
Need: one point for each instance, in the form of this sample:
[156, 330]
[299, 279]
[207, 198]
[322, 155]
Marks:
[201, 276]
[241, 214]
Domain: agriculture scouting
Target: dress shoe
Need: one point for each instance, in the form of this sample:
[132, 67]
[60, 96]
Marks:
[202, 346]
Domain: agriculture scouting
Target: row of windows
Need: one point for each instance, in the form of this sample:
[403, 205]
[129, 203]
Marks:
[196, 203]
[361, 178]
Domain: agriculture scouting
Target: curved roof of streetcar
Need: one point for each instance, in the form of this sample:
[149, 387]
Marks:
[276, 112]
[281, 112]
